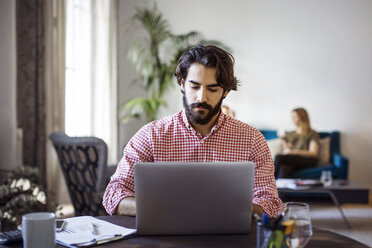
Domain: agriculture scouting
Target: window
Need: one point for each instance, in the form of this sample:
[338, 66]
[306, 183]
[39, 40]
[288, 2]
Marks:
[91, 106]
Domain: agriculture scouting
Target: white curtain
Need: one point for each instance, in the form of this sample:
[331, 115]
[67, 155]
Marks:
[91, 77]
[55, 66]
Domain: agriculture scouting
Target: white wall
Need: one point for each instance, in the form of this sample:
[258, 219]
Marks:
[289, 53]
[7, 86]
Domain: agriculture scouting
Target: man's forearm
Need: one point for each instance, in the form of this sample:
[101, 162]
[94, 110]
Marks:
[256, 209]
[127, 206]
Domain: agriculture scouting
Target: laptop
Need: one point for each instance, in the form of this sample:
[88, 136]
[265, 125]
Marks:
[181, 198]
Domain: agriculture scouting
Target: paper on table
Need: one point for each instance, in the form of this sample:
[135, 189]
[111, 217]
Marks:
[84, 229]
[299, 184]
[282, 183]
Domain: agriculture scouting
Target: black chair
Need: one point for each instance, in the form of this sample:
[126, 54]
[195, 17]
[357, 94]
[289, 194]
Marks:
[84, 164]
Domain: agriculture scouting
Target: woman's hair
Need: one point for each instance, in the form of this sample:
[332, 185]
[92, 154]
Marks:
[304, 120]
[212, 57]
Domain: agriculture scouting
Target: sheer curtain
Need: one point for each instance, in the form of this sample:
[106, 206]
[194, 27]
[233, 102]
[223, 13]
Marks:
[91, 80]
[55, 66]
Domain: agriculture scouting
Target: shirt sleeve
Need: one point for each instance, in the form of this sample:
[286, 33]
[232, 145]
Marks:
[265, 193]
[138, 149]
[314, 136]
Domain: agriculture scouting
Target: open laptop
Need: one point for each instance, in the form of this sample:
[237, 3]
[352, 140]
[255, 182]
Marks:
[193, 198]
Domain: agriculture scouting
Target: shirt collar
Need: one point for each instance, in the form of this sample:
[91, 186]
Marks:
[220, 120]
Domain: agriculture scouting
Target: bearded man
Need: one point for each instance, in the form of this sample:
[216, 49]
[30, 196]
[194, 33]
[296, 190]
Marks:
[198, 133]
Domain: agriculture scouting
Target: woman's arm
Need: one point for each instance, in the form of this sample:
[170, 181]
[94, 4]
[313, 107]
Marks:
[313, 150]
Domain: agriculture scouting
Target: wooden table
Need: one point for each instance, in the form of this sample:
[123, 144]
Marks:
[320, 238]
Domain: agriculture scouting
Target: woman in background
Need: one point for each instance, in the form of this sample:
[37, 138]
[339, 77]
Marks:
[301, 147]
[228, 111]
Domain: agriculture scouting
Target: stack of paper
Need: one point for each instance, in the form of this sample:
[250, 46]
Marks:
[87, 230]
[282, 183]
[299, 184]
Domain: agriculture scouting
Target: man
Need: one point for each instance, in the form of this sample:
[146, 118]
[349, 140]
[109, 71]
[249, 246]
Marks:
[200, 132]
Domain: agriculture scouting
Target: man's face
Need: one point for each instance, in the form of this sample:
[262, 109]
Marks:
[202, 97]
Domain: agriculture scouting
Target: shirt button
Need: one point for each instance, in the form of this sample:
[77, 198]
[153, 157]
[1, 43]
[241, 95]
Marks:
[201, 142]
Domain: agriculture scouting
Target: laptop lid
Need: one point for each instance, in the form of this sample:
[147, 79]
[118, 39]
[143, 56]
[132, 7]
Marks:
[193, 198]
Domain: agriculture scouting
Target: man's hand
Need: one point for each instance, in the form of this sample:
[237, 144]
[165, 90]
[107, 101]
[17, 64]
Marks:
[257, 210]
[127, 206]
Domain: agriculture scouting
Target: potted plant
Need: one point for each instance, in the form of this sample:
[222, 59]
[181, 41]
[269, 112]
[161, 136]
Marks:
[21, 193]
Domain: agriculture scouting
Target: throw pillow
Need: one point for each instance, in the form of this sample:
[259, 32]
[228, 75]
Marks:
[324, 151]
[275, 146]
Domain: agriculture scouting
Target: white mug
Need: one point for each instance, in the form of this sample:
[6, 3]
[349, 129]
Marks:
[38, 230]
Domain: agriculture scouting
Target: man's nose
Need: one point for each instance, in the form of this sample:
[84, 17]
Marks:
[202, 95]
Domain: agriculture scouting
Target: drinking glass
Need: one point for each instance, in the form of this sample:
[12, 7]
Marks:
[326, 178]
[300, 213]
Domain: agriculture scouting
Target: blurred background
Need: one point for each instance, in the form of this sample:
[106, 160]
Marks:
[64, 67]
[315, 54]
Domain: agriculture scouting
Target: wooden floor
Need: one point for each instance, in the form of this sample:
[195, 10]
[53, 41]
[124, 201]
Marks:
[326, 215]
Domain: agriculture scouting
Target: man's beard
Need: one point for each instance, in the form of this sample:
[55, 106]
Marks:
[197, 117]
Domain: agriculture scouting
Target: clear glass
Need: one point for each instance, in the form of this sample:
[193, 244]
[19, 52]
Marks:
[302, 233]
[326, 178]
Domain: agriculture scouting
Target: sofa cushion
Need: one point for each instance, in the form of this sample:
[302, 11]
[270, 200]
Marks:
[276, 146]
[324, 151]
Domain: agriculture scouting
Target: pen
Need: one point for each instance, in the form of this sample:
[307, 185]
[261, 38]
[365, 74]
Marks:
[95, 242]
[289, 226]
[94, 229]
[258, 218]
[278, 220]
[265, 219]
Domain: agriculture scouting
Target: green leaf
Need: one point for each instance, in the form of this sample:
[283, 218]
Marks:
[138, 106]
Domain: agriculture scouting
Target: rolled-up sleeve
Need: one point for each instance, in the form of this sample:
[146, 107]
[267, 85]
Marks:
[265, 192]
[139, 149]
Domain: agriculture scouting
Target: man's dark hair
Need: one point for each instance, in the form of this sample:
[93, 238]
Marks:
[212, 57]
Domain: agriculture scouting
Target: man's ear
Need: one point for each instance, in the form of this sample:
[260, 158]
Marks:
[182, 86]
[225, 92]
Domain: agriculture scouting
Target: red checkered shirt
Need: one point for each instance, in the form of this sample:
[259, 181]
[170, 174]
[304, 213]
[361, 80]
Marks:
[173, 139]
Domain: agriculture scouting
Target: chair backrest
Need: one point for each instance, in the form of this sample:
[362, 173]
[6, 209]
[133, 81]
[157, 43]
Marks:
[83, 161]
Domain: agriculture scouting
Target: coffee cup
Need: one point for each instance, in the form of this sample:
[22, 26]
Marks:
[38, 230]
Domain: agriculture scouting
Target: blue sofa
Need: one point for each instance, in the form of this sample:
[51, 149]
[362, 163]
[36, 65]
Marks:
[338, 164]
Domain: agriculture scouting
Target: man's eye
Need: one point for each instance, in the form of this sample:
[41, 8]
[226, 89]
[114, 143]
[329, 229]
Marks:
[212, 90]
[195, 87]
